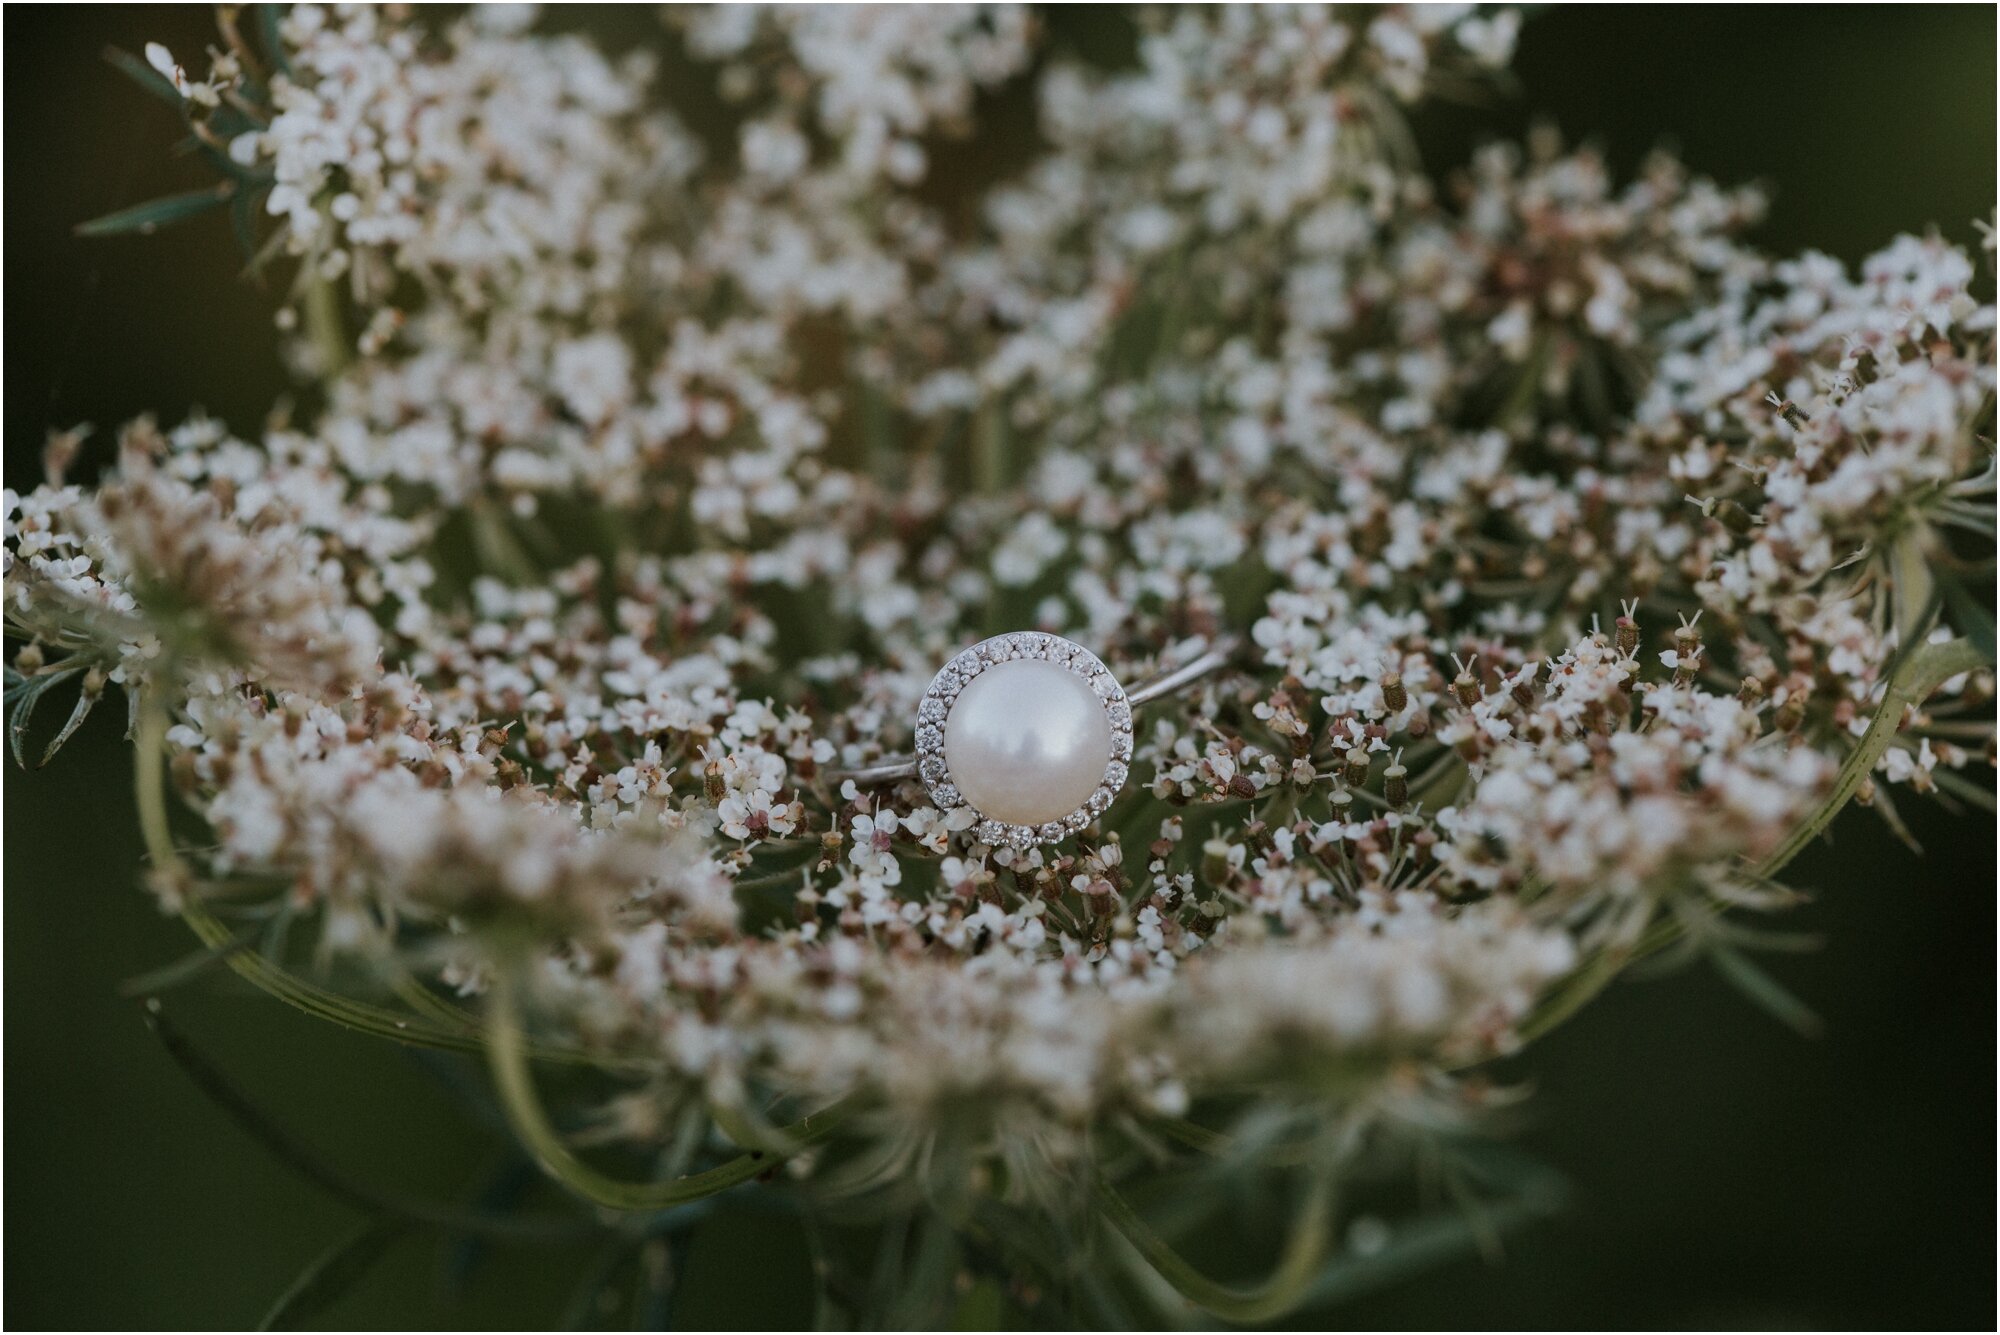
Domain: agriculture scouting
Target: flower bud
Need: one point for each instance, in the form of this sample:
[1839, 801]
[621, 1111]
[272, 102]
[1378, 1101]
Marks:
[1215, 862]
[1394, 697]
[1734, 517]
[1626, 631]
[1396, 782]
[1466, 686]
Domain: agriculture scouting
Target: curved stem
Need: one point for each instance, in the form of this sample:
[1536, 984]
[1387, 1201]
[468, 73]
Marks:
[507, 1053]
[1267, 1301]
[325, 1003]
[455, 1031]
[149, 777]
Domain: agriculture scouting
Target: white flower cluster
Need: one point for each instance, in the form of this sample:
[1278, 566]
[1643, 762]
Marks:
[652, 486]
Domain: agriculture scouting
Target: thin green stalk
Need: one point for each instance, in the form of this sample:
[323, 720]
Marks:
[331, 1274]
[150, 778]
[507, 1052]
[323, 326]
[1273, 1298]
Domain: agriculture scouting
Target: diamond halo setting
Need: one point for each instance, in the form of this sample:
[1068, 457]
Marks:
[935, 716]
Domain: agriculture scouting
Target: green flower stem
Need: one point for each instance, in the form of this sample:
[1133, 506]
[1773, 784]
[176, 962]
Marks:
[150, 779]
[508, 1056]
[324, 328]
[427, 1003]
[322, 1002]
[1273, 1298]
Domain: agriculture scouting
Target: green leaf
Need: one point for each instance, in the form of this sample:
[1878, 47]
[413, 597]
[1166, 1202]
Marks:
[1960, 786]
[332, 1273]
[1967, 614]
[1767, 992]
[85, 702]
[186, 968]
[1915, 591]
[243, 222]
[273, 41]
[149, 217]
[1424, 1244]
[23, 693]
[146, 77]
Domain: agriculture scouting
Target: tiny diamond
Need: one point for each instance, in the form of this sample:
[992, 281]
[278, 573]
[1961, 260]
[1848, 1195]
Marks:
[1114, 775]
[1052, 831]
[1076, 820]
[1099, 800]
[932, 710]
[947, 795]
[933, 770]
[929, 737]
[989, 832]
[1121, 746]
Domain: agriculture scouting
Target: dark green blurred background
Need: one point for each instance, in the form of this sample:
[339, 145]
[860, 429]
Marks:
[1728, 1172]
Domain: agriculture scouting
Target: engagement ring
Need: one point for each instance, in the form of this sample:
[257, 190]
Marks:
[1031, 733]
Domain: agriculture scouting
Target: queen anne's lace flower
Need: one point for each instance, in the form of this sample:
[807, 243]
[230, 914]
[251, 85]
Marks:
[1574, 544]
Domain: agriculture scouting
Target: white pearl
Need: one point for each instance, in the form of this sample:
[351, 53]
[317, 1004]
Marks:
[1027, 741]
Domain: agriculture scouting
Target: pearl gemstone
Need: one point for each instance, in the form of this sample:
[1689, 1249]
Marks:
[1027, 741]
